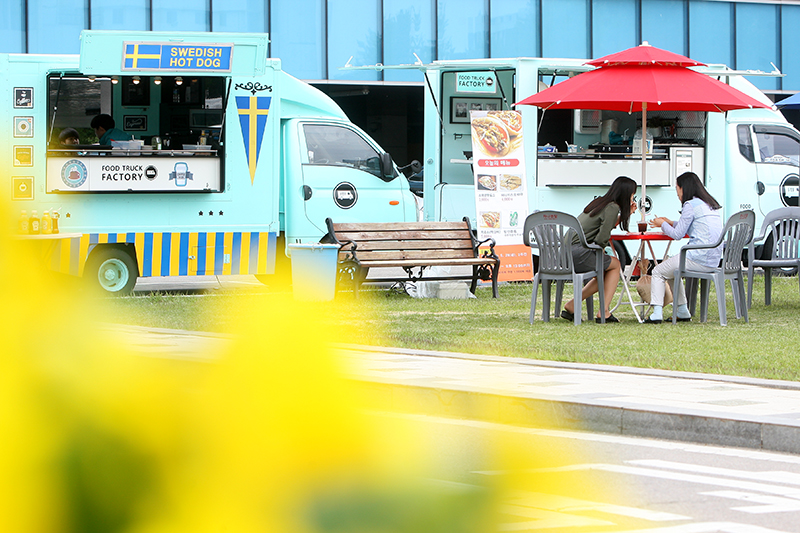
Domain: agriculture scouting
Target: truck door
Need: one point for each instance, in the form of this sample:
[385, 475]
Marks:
[342, 179]
[777, 156]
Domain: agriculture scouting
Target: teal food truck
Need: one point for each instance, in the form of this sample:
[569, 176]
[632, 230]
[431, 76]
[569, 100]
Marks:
[747, 158]
[220, 159]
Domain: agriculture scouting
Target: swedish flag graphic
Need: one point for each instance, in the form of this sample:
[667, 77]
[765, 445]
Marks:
[253, 111]
[144, 56]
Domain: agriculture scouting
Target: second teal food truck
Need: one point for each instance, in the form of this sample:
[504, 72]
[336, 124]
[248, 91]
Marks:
[748, 159]
[229, 158]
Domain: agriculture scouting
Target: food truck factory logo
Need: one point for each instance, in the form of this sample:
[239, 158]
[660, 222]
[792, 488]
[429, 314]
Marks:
[790, 190]
[73, 173]
[253, 111]
[345, 195]
[181, 174]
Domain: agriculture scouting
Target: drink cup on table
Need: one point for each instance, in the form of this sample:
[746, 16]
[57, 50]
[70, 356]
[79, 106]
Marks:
[642, 226]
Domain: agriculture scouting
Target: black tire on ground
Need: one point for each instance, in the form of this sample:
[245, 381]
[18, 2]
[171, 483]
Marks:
[111, 270]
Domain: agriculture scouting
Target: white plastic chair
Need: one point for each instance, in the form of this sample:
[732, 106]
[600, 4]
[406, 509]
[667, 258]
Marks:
[784, 252]
[737, 234]
[551, 232]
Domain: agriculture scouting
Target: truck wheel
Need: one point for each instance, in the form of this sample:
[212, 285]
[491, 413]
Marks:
[111, 270]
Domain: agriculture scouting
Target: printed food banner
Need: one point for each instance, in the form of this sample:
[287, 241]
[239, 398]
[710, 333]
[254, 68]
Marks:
[501, 196]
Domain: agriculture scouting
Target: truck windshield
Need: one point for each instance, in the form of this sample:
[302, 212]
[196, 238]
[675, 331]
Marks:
[340, 146]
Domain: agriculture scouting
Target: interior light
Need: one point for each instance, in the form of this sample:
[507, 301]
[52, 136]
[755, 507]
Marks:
[157, 80]
[178, 81]
[136, 80]
[114, 80]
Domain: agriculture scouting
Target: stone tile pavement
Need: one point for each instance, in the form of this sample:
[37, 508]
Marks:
[700, 408]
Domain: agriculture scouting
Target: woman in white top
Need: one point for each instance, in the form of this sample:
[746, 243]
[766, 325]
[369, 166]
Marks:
[701, 221]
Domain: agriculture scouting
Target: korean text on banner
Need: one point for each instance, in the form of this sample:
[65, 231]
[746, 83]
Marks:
[501, 196]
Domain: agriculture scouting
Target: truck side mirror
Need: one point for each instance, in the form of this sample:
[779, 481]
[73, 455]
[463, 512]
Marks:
[387, 167]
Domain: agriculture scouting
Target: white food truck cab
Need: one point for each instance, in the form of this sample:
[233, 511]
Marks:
[220, 158]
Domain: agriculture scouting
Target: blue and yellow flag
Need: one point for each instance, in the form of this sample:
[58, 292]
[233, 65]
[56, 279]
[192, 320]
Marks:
[253, 111]
[143, 56]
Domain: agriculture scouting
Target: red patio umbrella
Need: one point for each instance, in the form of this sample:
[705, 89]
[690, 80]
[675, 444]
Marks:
[642, 78]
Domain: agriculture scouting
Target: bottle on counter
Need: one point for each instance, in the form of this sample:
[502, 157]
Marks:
[156, 142]
[33, 223]
[23, 222]
[45, 224]
[202, 141]
[55, 221]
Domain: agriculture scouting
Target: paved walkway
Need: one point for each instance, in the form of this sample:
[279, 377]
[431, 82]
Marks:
[700, 408]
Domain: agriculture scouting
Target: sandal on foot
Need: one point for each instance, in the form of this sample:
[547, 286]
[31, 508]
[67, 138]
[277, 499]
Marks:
[566, 315]
[609, 318]
[651, 321]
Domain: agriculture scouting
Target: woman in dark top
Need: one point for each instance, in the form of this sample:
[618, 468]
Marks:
[597, 220]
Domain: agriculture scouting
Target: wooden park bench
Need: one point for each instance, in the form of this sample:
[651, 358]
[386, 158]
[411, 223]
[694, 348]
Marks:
[410, 246]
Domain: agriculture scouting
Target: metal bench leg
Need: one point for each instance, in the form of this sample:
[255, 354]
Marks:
[495, 275]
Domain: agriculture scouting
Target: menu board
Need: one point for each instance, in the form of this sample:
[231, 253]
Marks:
[501, 195]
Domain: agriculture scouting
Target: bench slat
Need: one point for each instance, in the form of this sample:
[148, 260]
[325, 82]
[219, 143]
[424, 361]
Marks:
[397, 226]
[430, 262]
[404, 235]
[455, 244]
[414, 254]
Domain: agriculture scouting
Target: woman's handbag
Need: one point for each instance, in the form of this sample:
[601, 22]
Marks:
[645, 280]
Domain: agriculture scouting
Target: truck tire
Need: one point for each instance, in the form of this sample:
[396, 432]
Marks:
[111, 270]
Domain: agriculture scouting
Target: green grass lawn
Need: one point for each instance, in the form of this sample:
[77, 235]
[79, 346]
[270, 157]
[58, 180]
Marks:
[765, 348]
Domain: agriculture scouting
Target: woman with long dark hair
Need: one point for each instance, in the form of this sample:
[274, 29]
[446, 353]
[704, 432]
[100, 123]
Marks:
[602, 214]
[701, 221]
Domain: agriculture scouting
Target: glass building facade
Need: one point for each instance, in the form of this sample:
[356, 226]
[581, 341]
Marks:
[315, 37]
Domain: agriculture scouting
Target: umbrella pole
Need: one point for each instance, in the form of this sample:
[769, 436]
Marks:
[644, 159]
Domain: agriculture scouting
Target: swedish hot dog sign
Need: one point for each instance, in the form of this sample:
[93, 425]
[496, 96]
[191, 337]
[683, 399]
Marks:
[137, 56]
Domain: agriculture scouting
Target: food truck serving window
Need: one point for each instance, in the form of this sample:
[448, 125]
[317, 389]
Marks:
[159, 133]
[340, 146]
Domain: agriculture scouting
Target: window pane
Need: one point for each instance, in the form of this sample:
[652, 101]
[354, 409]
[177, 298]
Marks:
[354, 29]
[408, 30]
[757, 41]
[78, 102]
[515, 28]
[241, 16]
[12, 28]
[463, 29]
[298, 38]
[614, 26]
[745, 142]
[178, 15]
[664, 24]
[120, 15]
[777, 148]
[790, 62]
[55, 26]
[337, 146]
[711, 32]
[565, 28]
